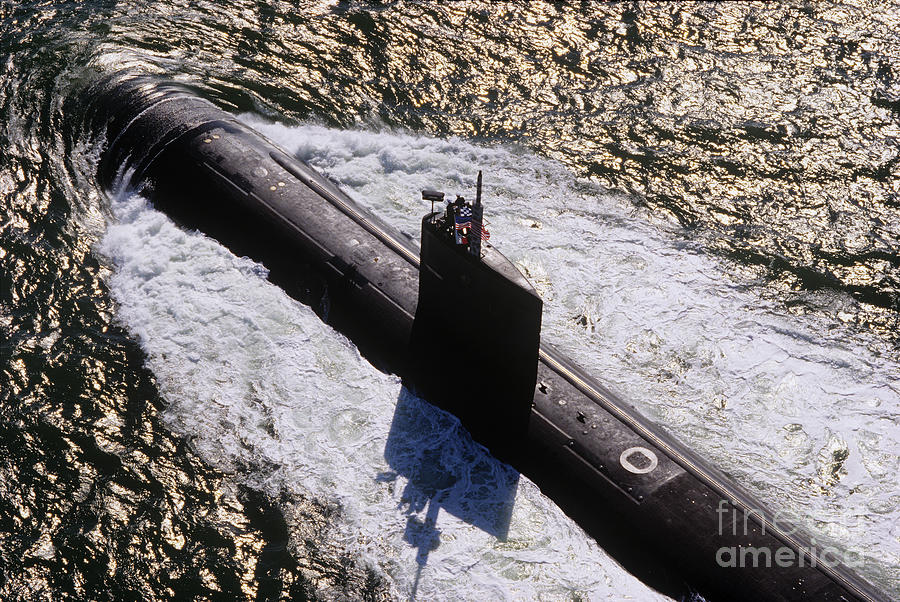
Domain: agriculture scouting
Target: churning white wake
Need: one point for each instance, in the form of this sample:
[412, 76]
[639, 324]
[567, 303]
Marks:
[799, 408]
[271, 395]
[801, 411]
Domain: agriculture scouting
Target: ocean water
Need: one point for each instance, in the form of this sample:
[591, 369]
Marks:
[704, 195]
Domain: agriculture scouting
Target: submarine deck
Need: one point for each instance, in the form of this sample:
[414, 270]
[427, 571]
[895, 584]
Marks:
[578, 429]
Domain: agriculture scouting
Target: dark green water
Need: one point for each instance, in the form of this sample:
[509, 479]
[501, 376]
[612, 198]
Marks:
[767, 139]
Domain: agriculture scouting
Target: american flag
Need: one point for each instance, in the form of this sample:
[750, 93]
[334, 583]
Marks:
[485, 235]
[464, 221]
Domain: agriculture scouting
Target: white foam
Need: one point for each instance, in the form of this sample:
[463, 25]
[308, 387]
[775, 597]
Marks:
[775, 399]
[270, 394]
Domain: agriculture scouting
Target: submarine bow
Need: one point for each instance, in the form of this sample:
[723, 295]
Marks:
[645, 497]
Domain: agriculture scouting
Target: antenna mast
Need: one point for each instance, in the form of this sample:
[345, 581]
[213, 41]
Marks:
[478, 189]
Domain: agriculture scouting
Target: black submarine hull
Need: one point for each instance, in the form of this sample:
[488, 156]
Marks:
[643, 495]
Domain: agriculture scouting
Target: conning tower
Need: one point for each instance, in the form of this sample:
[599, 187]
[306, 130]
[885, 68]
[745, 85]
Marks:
[476, 334]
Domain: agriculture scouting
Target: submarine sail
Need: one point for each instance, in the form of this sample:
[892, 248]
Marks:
[478, 320]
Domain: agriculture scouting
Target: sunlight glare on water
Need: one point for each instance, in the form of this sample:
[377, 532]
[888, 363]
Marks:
[741, 287]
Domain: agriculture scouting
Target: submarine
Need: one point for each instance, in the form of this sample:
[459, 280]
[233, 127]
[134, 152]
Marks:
[454, 304]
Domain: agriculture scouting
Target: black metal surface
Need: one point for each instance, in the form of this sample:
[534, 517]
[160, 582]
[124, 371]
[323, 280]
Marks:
[629, 483]
[475, 339]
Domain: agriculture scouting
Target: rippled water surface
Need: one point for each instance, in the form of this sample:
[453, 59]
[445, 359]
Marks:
[707, 197]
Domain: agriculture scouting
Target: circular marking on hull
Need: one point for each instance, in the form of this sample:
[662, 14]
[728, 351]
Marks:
[638, 460]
